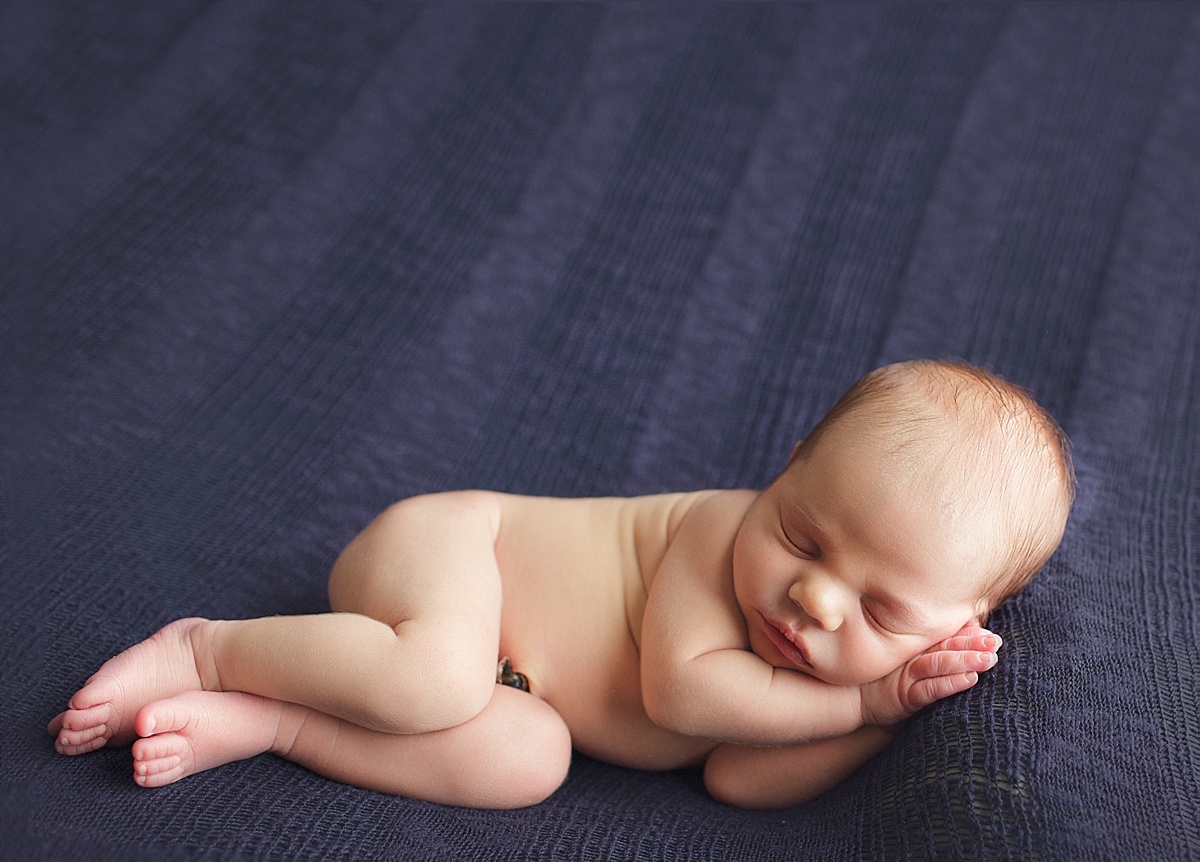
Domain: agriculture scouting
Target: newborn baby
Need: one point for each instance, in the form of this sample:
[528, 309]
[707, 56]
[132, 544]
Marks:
[774, 636]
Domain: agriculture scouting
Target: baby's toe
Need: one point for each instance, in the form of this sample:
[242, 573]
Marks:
[157, 747]
[82, 748]
[78, 741]
[162, 716]
[99, 690]
[81, 719]
[158, 773]
[82, 730]
[157, 765]
[160, 760]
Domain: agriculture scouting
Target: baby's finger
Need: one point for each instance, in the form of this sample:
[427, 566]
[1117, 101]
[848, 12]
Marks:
[949, 662]
[984, 641]
[927, 691]
[969, 629]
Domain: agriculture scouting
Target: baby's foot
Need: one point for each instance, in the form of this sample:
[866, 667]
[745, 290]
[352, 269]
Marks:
[168, 662]
[198, 730]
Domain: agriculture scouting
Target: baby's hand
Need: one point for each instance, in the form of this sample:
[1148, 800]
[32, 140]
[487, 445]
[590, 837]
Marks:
[942, 670]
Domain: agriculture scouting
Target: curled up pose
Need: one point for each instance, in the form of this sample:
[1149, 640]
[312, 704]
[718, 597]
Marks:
[775, 636]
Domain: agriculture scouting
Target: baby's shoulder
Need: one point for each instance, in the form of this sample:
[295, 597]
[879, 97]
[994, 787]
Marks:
[664, 515]
[713, 516]
[698, 527]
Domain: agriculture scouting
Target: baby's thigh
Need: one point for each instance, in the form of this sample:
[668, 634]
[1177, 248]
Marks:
[426, 561]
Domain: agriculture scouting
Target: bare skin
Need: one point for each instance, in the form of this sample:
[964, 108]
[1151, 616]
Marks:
[776, 637]
[561, 586]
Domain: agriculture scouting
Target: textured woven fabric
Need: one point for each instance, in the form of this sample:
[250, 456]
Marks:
[267, 266]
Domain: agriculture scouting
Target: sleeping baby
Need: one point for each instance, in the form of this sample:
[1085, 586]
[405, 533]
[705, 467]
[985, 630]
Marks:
[777, 637]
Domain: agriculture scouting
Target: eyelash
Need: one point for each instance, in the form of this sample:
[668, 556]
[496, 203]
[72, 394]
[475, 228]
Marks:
[807, 553]
[874, 620]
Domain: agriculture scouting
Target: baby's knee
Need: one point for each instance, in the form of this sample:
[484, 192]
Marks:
[452, 689]
[552, 742]
[456, 696]
[529, 764]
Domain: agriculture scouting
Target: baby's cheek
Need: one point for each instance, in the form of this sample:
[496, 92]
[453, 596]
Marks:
[886, 658]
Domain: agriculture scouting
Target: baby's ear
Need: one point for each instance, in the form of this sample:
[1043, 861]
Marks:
[795, 452]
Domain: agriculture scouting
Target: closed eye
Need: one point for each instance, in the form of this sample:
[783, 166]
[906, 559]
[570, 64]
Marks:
[873, 619]
[800, 548]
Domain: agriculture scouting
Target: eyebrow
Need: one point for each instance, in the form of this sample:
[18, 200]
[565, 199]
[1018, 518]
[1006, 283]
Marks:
[807, 516]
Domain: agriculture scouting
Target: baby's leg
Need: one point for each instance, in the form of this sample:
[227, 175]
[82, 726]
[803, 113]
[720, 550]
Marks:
[413, 646]
[514, 753]
[413, 643]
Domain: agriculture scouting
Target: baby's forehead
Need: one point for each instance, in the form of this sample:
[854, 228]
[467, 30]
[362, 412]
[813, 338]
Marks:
[917, 445]
[942, 494]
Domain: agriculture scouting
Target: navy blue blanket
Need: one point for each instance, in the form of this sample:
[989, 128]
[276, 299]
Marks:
[267, 266]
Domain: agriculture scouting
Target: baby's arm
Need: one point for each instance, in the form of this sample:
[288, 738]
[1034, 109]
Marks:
[699, 676]
[782, 777]
[792, 775]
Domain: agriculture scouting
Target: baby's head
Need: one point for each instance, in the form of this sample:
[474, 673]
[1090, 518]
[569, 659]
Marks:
[930, 493]
[993, 458]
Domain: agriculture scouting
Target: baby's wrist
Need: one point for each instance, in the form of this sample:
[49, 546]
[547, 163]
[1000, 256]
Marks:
[866, 714]
[875, 714]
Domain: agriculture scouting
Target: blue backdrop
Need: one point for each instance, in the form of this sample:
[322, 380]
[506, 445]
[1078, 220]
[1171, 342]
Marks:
[268, 266]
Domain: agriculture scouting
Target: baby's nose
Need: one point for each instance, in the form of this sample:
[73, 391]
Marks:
[818, 597]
